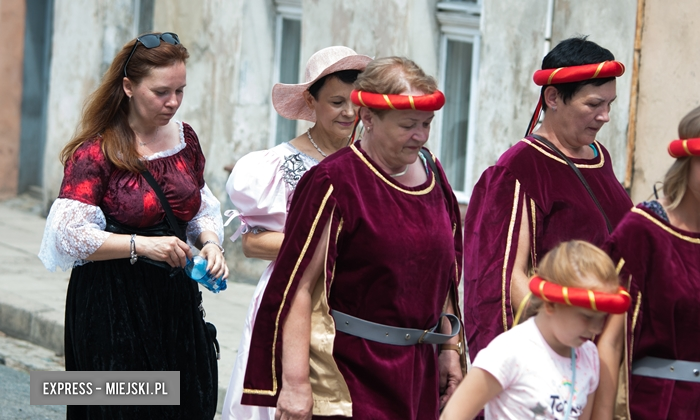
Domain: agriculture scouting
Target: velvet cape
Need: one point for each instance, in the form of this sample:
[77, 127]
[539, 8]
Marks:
[394, 253]
[660, 266]
[558, 209]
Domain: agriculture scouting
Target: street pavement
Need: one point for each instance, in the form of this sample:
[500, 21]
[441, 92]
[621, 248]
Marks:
[17, 359]
[32, 299]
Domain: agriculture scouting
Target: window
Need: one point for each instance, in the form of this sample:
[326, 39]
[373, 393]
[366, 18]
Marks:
[459, 53]
[287, 53]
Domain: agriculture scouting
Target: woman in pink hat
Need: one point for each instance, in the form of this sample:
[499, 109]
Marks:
[262, 183]
[657, 248]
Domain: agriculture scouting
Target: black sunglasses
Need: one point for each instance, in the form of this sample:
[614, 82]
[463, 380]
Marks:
[151, 41]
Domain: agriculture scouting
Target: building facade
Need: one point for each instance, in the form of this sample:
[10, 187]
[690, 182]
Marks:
[482, 52]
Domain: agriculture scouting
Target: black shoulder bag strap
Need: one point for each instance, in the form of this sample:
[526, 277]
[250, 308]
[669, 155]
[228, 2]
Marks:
[579, 175]
[164, 203]
[433, 167]
[211, 329]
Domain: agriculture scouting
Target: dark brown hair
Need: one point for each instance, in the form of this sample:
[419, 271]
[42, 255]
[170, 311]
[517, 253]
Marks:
[106, 110]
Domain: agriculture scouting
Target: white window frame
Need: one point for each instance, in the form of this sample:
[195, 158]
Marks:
[461, 22]
[285, 9]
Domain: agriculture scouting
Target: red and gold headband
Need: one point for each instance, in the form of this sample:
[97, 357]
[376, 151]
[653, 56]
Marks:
[614, 303]
[684, 147]
[431, 102]
[578, 73]
[570, 75]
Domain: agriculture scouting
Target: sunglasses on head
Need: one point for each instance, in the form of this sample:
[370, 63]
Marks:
[151, 41]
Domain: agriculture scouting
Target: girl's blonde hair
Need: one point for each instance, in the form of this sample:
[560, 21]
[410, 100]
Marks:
[570, 262]
[576, 264]
[676, 179]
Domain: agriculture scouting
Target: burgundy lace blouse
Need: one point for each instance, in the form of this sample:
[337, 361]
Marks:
[92, 188]
[91, 179]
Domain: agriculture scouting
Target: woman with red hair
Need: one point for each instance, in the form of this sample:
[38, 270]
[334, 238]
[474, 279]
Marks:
[129, 305]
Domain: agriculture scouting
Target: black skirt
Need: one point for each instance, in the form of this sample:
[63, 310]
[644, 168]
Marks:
[138, 318]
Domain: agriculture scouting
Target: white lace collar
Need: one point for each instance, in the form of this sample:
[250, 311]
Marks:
[174, 150]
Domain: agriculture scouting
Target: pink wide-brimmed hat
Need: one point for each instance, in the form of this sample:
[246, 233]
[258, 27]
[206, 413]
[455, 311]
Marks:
[288, 100]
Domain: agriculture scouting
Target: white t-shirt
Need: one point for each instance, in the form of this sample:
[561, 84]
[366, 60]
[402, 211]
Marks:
[535, 379]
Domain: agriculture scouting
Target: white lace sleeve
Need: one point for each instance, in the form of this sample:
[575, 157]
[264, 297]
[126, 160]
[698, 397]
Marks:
[208, 218]
[74, 230]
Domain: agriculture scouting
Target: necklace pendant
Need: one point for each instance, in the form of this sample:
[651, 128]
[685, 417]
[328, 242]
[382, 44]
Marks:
[155, 136]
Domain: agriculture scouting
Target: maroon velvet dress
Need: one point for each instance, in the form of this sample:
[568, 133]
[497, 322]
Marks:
[661, 267]
[137, 317]
[392, 257]
[558, 209]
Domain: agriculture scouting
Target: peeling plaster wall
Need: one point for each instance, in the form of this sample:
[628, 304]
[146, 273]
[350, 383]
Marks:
[512, 49]
[668, 80]
[611, 25]
[227, 98]
[87, 35]
[388, 27]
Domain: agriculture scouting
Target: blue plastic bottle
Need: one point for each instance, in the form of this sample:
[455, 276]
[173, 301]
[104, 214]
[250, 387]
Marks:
[197, 270]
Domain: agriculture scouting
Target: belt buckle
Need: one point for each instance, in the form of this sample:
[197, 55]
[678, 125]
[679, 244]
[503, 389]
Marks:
[422, 336]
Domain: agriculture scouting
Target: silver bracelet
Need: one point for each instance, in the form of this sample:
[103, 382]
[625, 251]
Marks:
[132, 248]
[221, 248]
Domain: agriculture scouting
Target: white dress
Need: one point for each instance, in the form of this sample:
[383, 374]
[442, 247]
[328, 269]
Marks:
[261, 187]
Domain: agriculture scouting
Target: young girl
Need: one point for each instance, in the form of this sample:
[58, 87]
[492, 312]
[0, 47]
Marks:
[547, 367]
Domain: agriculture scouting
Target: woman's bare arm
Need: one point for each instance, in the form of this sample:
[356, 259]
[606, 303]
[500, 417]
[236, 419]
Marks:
[263, 245]
[295, 400]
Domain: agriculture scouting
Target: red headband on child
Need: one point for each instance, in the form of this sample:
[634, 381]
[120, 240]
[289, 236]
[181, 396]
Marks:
[572, 74]
[614, 303]
[684, 147]
[430, 102]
